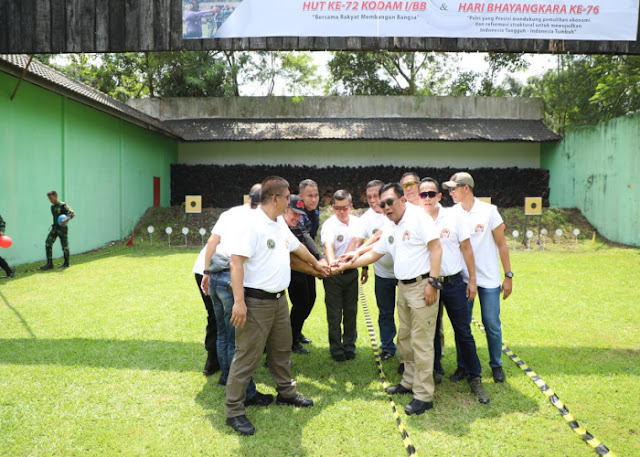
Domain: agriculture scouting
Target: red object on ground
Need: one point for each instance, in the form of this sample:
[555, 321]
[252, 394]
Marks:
[5, 241]
[130, 242]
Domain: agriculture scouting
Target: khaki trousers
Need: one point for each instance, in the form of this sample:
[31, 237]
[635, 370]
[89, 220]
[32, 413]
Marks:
[417, 325]
[267, 325]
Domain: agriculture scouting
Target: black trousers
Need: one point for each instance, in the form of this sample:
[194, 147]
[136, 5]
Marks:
[212, 330]
[4, 265]
[302, 293]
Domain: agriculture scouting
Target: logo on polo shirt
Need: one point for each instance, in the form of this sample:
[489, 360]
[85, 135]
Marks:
[479, 228]
[390, 240]
[375, 231]
[340, 238]
[445, 233]
[271, 244]
[406, 236]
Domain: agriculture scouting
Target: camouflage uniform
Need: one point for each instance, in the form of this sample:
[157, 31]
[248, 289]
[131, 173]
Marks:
[59, 231]
[3, 264]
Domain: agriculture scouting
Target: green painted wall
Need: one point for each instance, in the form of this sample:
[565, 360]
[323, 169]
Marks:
[597, 171]
[101, 165]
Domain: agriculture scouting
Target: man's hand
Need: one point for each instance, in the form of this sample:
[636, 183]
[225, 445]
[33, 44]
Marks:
[324, 271]
[1, 233]
[349, 257]
[430, 295]
[472, 290]
[239, 314]
[64, 222]
[507, 287]
[204, 284]
[364, 276]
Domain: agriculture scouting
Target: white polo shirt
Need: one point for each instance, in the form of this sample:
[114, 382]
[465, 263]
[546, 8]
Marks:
[266, 244]
[341, 234]
[228, 226]
[481, 221]
[374, 222]
[408, 244]
[452, 233]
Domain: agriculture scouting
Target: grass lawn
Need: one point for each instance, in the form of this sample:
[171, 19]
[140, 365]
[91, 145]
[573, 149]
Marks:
[105, 359]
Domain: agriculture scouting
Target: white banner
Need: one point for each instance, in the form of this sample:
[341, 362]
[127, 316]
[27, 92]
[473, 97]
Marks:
[603, 20]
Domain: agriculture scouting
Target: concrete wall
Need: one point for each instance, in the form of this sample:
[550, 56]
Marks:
[596, 170]
[363, 153]
[102, 166]
[342, 107]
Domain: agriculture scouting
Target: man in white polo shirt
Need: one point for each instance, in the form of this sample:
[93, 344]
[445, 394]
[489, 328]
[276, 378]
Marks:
[414, 245]
[410, 181]
[374, 222]
[260, 273]
[488, 241]
[340, 234]
[455, 293]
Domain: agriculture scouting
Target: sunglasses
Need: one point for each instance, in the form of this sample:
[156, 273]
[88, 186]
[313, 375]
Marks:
[387, 202]
[341, 208]
[409, 184]
[430, 194]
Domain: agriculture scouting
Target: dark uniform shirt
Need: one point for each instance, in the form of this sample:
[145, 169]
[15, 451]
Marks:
[311, 221]
[301, 233]
[58, 209]
[2, 224]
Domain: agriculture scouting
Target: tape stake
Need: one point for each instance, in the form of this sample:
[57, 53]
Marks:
[408, 445]
[587, 437]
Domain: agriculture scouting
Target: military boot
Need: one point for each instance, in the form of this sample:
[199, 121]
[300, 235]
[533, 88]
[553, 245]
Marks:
[66, 262]
[47, 266]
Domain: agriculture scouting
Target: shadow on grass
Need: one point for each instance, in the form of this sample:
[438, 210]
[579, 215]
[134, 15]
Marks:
[18, 315]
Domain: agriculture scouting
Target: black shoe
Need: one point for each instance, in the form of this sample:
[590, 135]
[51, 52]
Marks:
[304, 340]
[298, 349]
[478, 389]
[398, 389]
[401, 368]
[299, 401]
[459, 375]
[338, 357]
[47, 266]
[241, 425]
[498, 374]
[211, 365]
[222, 382]
[417, 407]
[65, 265]
[385, 356]
[259, 400]
[350, 355]
[11, 273]
[437, 377]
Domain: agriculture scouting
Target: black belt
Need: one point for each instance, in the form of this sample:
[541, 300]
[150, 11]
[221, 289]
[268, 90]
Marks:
[261, 294]
[445, 279]
[411, 281]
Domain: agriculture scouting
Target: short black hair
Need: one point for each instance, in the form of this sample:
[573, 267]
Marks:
[424, 180]
[374, 183]
[271, 186]
[341, 195]
[53, 192]
[397, 188]
[410, 173]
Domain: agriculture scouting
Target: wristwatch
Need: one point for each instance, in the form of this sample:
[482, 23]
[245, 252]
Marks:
[508, 274]
[434, 283]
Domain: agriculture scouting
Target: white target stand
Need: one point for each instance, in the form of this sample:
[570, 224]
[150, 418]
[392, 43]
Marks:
[576, 232]
[515, 235]
[151, 229]
[543, 234]
[169, 231]
[185, 232]
[529, 235]
[558, 235]
[202, 232]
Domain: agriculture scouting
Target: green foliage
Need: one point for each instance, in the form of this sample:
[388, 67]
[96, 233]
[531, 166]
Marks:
[295, 69]
[487, 84]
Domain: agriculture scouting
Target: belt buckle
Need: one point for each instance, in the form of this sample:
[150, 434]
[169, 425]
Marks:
[279, 294]
[441, 278]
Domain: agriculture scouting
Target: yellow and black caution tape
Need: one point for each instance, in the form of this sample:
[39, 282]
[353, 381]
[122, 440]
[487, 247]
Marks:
[587, 437]
[411, 450]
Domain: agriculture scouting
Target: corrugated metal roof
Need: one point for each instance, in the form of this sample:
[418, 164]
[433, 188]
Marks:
[363, 129]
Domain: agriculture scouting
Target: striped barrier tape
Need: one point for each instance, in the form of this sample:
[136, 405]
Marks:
[587, 437]
[411, 450]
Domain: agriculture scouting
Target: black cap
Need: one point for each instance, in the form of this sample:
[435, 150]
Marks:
[296, 204]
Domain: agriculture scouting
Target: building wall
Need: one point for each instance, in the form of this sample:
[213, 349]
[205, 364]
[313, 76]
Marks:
[102, 166]
[596, 170]
[363, 153]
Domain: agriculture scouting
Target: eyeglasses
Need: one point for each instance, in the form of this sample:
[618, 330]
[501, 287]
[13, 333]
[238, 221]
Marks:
[453, 189]
[409, 185]
[387, 202]
[430, 194]
[288, 197]
[341, 208]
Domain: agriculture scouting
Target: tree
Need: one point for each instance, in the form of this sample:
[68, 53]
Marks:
[295, 70]
[488, 84]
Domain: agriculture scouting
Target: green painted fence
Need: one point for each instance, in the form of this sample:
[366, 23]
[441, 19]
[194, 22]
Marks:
[597, 170]
[99, 164]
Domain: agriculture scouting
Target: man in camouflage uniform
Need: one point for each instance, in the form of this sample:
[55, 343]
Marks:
[58, 230]
[3, 263]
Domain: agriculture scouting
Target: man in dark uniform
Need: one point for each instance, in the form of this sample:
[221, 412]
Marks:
[302, 290]
[3, 263]
[60, 230]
